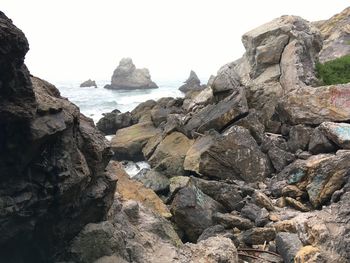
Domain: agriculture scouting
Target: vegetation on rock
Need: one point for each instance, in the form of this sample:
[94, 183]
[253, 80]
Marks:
[336, 71]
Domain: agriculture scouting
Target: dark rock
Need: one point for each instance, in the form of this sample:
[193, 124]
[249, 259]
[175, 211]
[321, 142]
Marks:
[226, 80]
[219, 116]
[192, 83]
[319, 143]
[299, 137]
[263, 218]
[259, 235]
[253, 124]
[232, 221]
[111, 122]
[142, 112]
[250, 211]
[212, 232]
[288, 245]
[273, 140]
[89, 83]
[193, 210]
[280, 158]
[230, 155]
[127, 76]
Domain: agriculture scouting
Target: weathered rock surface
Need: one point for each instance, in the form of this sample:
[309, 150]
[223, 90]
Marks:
[127, 144]
[231, 155]
[52, 161]
[88, 83]
[127, 76]
[192, 83]
[319, 143]
[113, 121]
[288, 245]
[339, 133]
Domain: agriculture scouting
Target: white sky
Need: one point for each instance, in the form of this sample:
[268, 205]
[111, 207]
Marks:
[81, 39]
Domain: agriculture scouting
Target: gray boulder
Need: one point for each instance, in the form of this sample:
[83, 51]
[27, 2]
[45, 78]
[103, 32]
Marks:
[339, 133]
[113, 121]
[89, 83]
[288, 245]
[192, 83]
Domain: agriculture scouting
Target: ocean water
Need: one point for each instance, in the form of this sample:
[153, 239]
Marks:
[95, 101]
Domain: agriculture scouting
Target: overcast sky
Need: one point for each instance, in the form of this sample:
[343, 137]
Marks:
[81, 39]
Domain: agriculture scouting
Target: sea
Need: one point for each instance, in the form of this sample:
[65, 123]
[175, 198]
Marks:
[93, 102]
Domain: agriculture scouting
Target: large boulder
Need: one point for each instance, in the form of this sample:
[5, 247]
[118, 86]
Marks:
[127, 76]
[52, 161]
[192, 83]
[113, 121]
[127, 143]
[231, 155]
[313, 106]
[339, 133]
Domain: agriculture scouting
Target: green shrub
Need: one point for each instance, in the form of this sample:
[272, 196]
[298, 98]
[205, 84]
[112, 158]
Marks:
[336, 71]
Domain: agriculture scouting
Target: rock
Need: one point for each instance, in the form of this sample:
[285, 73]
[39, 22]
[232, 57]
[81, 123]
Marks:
[309, 254]
[176, 183]
[262, 200]
[89, 83]
[192, 83]
[173, 148]
[280, 158]
[52, 161]
[339, 133]
[218, 116]
[258, 235]
[232, 221]
[213, 231]
[292, 191]
[132, 190]
[255, 214]
[288, 245]
[285, 226]
[127, 76]
[230, 155]
[193, 210]
[229, 195]
[128, 142]
[142, 112]
[154, 180]
[262, 218]
[226, 80]
[253, 124]
[336, 34]
[164, 108]
[299, 137]
[296, 204]
[319, 143]
[211, 250]
[312, 106]
[111, 122]
[201, 98]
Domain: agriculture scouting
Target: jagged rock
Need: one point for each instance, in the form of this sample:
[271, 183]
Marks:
[253, 124]
[339, 133]
[319, 143]
[89, 83]
[170, 154]
[255, 214]
[193, 210]
[219, 116]
[52, 161]
[154, 180]
[128, 142]
[336, 34]
[229, 195]
[231, 155]
[217, 230]
[164, 108]
[299, 137]
[292, 191]
[203, 97]
[280, 158]
[192, 83]
[258, 235]
[226, 80]
[113, 121]
[262, 200]
[231, 221]
[296, 204]
[312, 106]
[176, 183]
[142, 112]
[288, 245]
[127, 76]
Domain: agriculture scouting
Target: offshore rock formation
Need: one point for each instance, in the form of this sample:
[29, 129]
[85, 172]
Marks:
[89, 83]
[52, 161]
[127, 76]
[192, 83]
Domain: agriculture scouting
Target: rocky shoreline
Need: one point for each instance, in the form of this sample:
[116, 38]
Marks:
[252, 167]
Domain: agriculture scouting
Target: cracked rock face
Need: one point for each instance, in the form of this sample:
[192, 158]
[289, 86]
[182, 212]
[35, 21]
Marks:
[52, 161]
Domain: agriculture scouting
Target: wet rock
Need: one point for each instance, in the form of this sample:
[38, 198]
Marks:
[288, 245]
[127, 144]
[259, 235]
[127, 76]
[232, 221]
[113, 121]
[192, 83]
[339, 133]
[312, 106]
[319, 143]
[193, 210]
[231, 155]
[219, 116]
[88, 83]
[299, 137]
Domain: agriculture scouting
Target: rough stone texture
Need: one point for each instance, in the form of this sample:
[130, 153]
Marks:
[339, 133]
[113, 121]
[88, 83]
[231, 221]
[127, 76]
[218, 116]
[127, 144]
[288, 245]
[154, 180]
[280, 158]
[226, 80]
[203, 97]
[258, 235]
[52, 161]
[193, 210]
[142, 112]
[336, 34]
[165, 107]
[319, 143]
[233, 154]
[192, 83]
[253, 124]
[312, 106]
[299, 137]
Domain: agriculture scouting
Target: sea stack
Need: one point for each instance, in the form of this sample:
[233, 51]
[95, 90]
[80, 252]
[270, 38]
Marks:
[88, 83]
[127, 76]
[192, 83]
